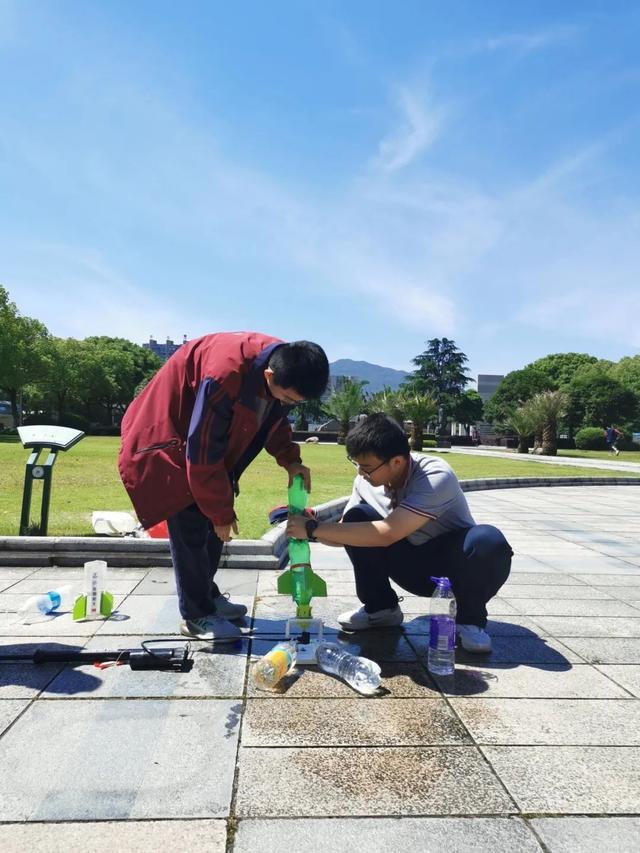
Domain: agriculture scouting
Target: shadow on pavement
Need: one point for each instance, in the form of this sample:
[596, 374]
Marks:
[18, 668]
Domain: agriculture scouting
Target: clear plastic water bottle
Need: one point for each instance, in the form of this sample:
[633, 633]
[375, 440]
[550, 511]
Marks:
[360, 673]
[273, 666]
[442, 629]
[41, 608]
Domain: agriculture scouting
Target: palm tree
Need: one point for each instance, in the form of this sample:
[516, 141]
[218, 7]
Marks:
[523, 421]
[549, 407]
[388, 402]
[419, 409]
[345, 404]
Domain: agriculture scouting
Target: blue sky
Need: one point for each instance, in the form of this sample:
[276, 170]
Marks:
[365, 174]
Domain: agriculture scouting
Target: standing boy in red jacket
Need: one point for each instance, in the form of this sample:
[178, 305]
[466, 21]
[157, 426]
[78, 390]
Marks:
[189, 435]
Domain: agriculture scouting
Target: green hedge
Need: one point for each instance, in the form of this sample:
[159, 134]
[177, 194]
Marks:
[591, 438]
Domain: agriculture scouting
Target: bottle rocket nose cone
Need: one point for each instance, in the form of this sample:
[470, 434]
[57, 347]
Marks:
[442, 582]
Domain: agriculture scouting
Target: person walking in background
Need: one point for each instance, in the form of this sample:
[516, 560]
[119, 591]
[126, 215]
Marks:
[189, 435]
[612, 435]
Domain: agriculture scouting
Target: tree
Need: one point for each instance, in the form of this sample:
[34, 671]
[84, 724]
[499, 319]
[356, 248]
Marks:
[596, 399]
[547, 409]
[113, 369]
[22, 343]
[388, 402]
[561, 367]
[61, 382]
[420, 409]
[627, 373]
[440, 374]
[345, 404]
[515, 389]
[469, 409]
[523, 421]
[309, 410]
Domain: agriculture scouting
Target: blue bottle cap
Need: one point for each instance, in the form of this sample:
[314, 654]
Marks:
[443, 582]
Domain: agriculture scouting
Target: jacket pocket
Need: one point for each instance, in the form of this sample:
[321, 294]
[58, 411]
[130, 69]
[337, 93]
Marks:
[160, 445]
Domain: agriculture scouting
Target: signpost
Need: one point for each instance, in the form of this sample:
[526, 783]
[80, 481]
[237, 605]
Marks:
[39, 438]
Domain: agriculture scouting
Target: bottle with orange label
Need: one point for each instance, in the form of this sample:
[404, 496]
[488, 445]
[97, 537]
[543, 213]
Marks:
[273, 666]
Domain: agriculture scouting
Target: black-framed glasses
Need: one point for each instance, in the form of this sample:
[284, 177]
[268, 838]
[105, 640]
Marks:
[366, 474]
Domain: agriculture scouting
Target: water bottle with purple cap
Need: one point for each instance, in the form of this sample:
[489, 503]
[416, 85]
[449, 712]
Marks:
[442, 629]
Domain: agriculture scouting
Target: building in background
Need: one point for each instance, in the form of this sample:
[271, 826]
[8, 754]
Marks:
[487, 384]
[336, 383]
[164, 350]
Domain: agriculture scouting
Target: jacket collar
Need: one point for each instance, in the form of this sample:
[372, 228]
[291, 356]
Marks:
[253, 383]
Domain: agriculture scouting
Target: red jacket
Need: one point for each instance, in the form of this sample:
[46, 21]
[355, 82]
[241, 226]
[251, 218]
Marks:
[187, 437]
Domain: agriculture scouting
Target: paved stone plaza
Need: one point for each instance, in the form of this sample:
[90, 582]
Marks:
[534, 747]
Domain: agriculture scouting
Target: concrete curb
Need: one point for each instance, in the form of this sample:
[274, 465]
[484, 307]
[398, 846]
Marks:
[269, 552]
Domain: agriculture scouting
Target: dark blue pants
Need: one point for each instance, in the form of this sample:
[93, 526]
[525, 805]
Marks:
[195, 551]
[477, 560]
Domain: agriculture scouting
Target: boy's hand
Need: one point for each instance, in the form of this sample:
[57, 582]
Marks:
[299, 468]
[296, 527]
[223, 531]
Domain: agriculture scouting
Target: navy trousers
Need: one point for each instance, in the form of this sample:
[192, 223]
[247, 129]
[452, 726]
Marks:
[195, 551]
[477, 560]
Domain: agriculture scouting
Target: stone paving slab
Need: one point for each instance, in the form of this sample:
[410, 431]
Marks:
[128, 836]
[588, 834]
[39, 585]
[218, 673]
[590, 626]
[10, 710]
[426, 835]
[25, 681]
[569, 779]
[630, 594]
[626, 580]
[115, 573]
[9, 577]
[544, 577]
[400, 680]
[513, 592]
[350, 722]
[364, 781]
[115, 760]
[605, 649]
[545, 681]
[566, 606]
[590, 565]
[518, 650]
[627, 676]
[58, 625]
[381, 646]
[566, 722]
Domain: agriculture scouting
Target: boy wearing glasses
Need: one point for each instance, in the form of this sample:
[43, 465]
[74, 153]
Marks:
[408, 519]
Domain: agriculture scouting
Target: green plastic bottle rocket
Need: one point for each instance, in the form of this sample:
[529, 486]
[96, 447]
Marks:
[299, 580]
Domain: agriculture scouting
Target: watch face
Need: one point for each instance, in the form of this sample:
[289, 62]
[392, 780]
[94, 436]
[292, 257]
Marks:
[37, 472]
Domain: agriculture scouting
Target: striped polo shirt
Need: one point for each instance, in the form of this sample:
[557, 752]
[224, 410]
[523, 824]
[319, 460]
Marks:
[431, 490]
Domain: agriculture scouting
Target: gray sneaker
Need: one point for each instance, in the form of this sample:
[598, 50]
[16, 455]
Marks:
[226, 609]
[360, 620]
[210, 628]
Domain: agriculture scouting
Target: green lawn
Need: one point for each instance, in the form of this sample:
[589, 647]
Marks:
[625, 455]
[86, 479]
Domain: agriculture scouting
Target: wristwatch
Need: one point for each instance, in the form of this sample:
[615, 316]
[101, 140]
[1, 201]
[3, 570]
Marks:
[310, 527]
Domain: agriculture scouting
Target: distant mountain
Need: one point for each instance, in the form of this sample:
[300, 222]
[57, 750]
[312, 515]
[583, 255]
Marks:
[378, 377]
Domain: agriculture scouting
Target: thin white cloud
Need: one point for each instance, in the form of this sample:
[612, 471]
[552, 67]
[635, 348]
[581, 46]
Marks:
[527, 42]
[85, 296]
[420, 125]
